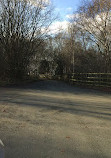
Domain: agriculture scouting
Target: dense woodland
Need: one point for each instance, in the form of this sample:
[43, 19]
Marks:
[28, 48]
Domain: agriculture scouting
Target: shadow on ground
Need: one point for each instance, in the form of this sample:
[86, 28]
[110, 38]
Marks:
[51, 119]
[59, 96]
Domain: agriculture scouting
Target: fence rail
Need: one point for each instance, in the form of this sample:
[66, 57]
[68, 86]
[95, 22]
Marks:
[93, 79]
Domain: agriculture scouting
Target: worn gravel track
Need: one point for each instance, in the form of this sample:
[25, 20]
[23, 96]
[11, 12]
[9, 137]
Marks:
[51, 119]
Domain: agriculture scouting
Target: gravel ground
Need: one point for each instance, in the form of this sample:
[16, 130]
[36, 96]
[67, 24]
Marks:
[51, 119]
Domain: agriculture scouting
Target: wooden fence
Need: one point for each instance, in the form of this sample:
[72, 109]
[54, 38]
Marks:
[92, 79]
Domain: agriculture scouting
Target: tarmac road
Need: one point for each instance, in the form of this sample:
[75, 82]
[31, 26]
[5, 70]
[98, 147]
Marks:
[51, 119]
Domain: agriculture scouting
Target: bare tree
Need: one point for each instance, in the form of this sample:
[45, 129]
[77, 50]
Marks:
[94, 18]
[23, 26]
